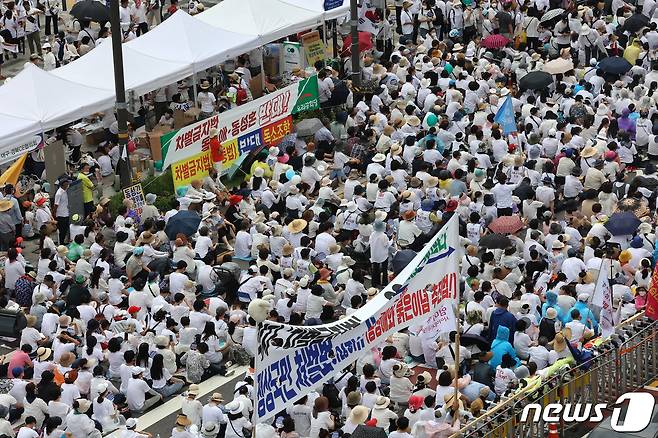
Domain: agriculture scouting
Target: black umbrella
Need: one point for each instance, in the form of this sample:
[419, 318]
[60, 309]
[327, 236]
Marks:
[90, 10]
[495, 241]
[615, 65]
[185, 222]
[471, 340]
[622, 223]
[401, 259]
[536, 80]
[635, 23]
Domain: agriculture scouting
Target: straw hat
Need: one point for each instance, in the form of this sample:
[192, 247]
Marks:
[378, 158]
[31, 320]
[161, 341]
[559, 343]
[589, 152]
[210, 430]
[5, 205]
[217, 397]
[287, 250]
[424, 377]
[353, 398]
[43, 353]
[83, 405]
[66, 359]
[182, 420]
[235, 407]
[204, 84]
[193, 389]
[432, 181]
[413, 121]
[147, 237]
[400, 369]
[297, 226]
[378, 70]
[348, 261]
[359, 414]
[557, 245]
[476, 406]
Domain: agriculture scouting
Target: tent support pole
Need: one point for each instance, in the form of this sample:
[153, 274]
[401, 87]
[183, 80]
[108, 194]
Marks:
[334, 38]
[194, 86]
[324, 40]
[262, 67]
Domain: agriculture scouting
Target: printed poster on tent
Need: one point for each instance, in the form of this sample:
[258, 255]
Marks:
[15, 152]
[262, 122]
[293, 360]
[313, 47]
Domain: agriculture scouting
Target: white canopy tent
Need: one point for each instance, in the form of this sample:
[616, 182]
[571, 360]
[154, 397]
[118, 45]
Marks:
[183, 34]
[178, 48]
[47, 101]
[142, 73]
[269, 20]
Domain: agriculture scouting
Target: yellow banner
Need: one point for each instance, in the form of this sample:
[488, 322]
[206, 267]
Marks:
[231, 152]
[195, 167]
[11, 175]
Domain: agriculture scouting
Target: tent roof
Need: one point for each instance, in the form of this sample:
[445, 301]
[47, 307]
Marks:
[50, 100]
[192, 41]
[142, 73]
[318, 6]
[248, 17]
[15, 132]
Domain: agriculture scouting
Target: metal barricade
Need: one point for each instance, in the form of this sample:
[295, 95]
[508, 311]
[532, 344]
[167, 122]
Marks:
[626, 363]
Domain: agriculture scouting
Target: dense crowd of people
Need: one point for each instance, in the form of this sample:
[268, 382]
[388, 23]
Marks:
[128, 307]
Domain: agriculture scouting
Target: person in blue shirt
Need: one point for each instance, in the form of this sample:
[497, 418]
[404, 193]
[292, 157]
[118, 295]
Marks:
[551, 301]
[501, 346]
[502, 317]
[586, 315]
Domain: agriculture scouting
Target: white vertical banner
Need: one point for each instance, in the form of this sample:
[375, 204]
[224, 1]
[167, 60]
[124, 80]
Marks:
[294, 360]
[603, 298]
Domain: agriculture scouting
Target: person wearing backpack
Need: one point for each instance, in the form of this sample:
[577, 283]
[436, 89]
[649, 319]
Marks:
[238, 90]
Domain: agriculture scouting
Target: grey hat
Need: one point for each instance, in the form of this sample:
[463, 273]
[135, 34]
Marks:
[150, 198]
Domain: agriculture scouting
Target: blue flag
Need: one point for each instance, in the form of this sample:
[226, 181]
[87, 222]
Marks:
[505, 116]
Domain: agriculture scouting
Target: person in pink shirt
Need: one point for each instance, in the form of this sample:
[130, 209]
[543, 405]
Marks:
[20, 358]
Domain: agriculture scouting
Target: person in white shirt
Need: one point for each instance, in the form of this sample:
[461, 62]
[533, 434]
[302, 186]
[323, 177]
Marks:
[326, 86]
[136, 391]
[206, 100]
[28, 430]
[138, 13]
[575, 331]
[522, 341]
[61, 210]
[49, 60]
[540, 355]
